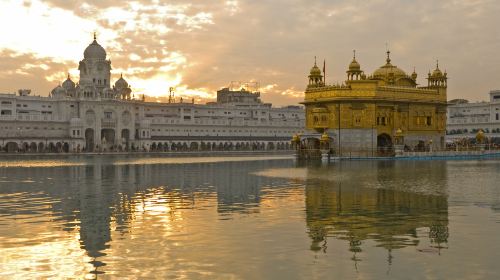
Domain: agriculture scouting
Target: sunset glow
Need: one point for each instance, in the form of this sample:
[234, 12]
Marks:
[200, 47]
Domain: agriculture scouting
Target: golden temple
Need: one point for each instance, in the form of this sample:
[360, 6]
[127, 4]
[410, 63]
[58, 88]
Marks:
[375, 114]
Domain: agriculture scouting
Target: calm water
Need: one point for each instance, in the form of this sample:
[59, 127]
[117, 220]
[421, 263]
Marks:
[248, 218]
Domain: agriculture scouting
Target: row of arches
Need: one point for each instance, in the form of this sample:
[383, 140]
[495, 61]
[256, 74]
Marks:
[64, 147]
[217, 146]
[34, 147]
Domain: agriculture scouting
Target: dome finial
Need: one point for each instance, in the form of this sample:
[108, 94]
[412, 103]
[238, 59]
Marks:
[95, 35]
[315, 61]
[437, 63]
[354, 52]
[68, 76]
[121, 75]
[388, 56]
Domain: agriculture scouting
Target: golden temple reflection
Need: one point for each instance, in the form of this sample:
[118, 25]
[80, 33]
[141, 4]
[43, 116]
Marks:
[393, 217]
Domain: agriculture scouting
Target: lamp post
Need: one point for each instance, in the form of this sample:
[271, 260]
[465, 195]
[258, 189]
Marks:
[339, 144]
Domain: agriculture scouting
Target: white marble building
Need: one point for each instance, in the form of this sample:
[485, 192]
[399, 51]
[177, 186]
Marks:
[466, 119]
[92, 116]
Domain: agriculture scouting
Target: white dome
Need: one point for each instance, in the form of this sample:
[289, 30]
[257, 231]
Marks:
[68, 84]
[58, 91]
[94, 51]
[121, 83]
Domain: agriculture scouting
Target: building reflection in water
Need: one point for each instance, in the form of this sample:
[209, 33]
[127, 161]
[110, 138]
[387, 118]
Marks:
[100, 198]
[361, 201]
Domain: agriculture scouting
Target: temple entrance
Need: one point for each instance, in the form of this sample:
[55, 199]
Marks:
[108, 138]
[89, 140]
[384, 145]
[125, 139]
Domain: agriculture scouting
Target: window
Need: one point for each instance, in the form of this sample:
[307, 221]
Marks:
[6, 103]
[496, 116]
[108, 115]
[9, 112]
[429, 121]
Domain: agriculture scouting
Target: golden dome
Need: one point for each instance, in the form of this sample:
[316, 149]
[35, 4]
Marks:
[354, 65]
[437, 72]
[414, 75]
[388, 69]
[315, 71]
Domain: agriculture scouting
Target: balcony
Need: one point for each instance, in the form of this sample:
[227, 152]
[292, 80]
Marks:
[108, 123]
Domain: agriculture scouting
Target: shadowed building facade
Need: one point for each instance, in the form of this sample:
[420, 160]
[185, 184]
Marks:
[369, 113]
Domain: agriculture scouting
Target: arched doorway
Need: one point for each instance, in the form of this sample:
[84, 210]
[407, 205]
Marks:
[125, 138]
[33, 147]
[65, 147]
[384, 145]
[108, 136]
[193, 146]
[59, 146]
[89, 140]
[41, 147]
[52, 147]
[11, 147]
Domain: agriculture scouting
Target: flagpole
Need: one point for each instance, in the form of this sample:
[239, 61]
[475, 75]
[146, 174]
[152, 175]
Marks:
[324, 72]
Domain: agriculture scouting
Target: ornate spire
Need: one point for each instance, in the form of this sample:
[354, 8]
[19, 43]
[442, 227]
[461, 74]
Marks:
[354, 56]
[437, 63]
[388, 57]
[315, 61]
[95, 36]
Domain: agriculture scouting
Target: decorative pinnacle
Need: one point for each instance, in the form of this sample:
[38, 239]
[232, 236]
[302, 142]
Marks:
[354, 52]
[314, 60]
[95, 36]
[437, 63]
[388, 56]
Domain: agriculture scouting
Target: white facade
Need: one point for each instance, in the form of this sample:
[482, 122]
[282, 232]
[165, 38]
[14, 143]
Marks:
[466, 119]
[92, 116]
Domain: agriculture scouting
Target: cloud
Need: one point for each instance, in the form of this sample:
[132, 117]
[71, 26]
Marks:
[204, 45]
[27, 71]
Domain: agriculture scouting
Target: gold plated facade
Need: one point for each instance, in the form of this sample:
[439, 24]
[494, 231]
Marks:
[367, 111]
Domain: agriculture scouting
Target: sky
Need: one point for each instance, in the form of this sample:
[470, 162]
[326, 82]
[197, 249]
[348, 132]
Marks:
[200, 46]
